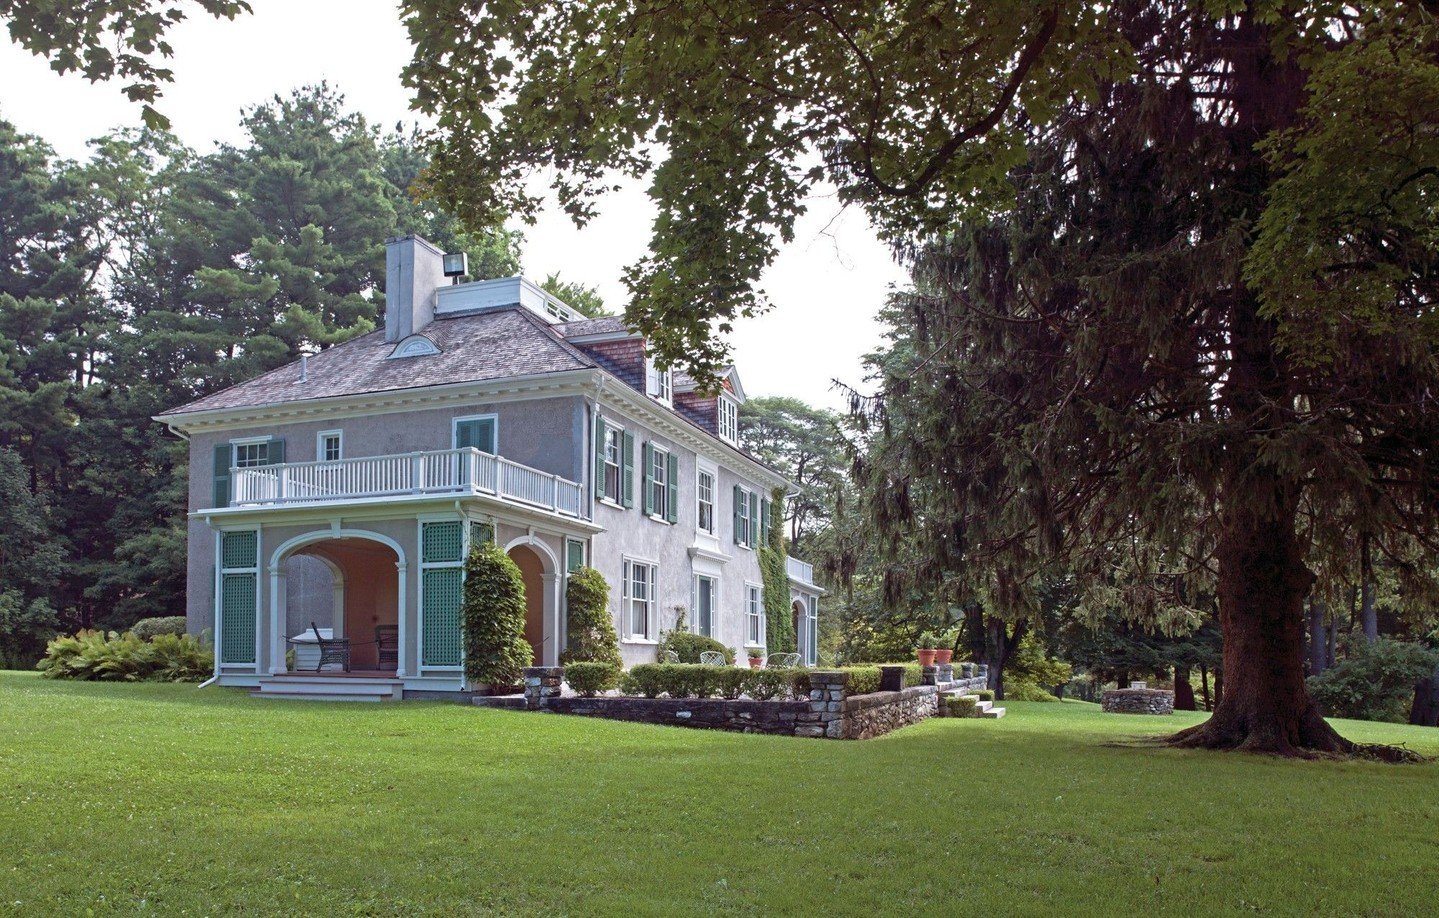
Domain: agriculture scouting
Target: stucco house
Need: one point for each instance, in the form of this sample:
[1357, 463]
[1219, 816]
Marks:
[346, 489]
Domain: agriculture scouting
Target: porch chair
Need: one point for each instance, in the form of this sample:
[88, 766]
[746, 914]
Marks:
[713, 658]
[781, 661]
[671, 657]
[387, 647]
[332, 650]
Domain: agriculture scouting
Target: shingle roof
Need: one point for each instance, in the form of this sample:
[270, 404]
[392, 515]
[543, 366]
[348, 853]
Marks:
[604, 325]
[488, 345]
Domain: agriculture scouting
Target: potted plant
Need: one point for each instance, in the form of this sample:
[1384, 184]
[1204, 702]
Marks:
[756, 656]
[944, 652]
[925, 650]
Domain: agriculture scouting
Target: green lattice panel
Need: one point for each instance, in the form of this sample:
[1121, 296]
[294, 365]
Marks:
[238, 549]
[481, 533]
[442, 542]
[443, 592]
[237, 618]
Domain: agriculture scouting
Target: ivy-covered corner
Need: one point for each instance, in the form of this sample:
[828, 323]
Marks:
[773, 555]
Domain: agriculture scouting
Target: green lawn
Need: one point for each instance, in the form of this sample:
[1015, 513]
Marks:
[172, 799]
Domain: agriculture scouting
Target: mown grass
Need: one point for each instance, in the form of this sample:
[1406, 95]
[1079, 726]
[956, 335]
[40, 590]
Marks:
[171, 799]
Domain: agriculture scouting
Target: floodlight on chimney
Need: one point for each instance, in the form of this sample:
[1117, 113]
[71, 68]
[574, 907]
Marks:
[457, 265]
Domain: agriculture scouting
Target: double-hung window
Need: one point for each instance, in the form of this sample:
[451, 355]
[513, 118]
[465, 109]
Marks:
[639, 600]
[728, 419]
[658, 382]
[746, 517]
[250, 455]
[659, 482]
[754, 616]
[705, 499]
[614, 457]
[329, 446]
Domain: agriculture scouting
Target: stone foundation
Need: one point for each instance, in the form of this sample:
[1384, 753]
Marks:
[1138, 701]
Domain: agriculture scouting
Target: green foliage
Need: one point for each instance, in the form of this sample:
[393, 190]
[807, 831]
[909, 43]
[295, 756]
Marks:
[592, 678]
[962, 706]
[95, 655]
[774, 574]
[1374, 681]
[579, 297]
[25, 627]
[1024, 690]
[592, 637]
[120, 39]
[688, 680]
[1031, 664]
[496, 652]
[866, 679]
[986, 694]
[689, 646]
[149, 628]
[804, 443]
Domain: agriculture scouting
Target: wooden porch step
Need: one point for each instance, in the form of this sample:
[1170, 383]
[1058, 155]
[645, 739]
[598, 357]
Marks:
[331, 687]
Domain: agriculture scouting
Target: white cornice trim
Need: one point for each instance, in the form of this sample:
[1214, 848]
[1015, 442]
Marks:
[402, 507]
[389, 401]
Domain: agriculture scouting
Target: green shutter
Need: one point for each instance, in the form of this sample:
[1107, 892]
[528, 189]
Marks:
[764, 518]
[627, 472]
[647, 464]
[239, 549]
[673, 510]
[753, 519]
[477, 433]
[738, 519]
[221, 493]
[440, 612]
[481, 533]
[275, 451]
[599, 483]
[237, 618]
[574, 555]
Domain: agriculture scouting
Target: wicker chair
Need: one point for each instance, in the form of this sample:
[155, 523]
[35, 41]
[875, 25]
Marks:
[781, 661]
[713, 658]
[332, 650]
[387, 647]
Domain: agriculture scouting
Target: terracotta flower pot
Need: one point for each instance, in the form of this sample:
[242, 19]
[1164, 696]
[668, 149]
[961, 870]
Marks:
[944, 656]
[756, 662]
[926, 657]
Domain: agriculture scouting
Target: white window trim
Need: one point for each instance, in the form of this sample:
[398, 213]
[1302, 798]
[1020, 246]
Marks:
[455, 429]
[619, 431]
[659, 384]
[320, 445]
[626, 608]
[750, 535]
[727, 401]
[702, 466]
[714, 603]
[245, 441]
[659, 458]
[756, 588]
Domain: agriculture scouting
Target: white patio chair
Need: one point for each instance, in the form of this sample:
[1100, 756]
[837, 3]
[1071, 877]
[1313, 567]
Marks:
[713, 658]
[671, 657]
[781, 661]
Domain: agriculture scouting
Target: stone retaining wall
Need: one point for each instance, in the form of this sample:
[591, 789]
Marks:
[1138, 701]
[827, 713]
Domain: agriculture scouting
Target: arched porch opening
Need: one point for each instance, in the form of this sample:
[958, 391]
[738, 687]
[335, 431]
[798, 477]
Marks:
[540, 571]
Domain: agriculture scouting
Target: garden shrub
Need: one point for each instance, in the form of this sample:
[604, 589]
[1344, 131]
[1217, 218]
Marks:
[689, 646]
[1375, 681]
[767, 684]
[1024, 691]
[496, 652]
[730, 681]
[590, 678]
[863, 680]
[147, 628]
[591, 630]
[985, 694]
[95, 655]
[961, 706]
[689, 680]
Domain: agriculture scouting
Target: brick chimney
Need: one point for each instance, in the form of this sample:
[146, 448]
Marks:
[414, 271]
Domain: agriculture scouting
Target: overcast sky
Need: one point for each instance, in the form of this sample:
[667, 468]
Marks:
[825, 286]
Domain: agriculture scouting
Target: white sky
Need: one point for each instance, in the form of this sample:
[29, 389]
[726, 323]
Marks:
[826, 286]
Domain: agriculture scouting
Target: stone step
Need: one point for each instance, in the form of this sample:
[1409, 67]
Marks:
[992, 713]
[360, 688]
[308, 695]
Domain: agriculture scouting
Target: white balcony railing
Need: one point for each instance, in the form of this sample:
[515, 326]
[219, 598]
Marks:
[800, 570]
[450, 471]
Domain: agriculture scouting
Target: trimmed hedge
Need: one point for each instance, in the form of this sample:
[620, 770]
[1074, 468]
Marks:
[496, 652]
[689, 646]
[592, 678]
[985, 694]
[148, 628]
[95, 655]
[961, 706]
[592, 637]
[690, 680]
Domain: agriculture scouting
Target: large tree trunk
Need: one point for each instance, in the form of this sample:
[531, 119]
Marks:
[1262, 586]
[1318, 653]
[1183, 690]
[999, 645]
[1425, 710]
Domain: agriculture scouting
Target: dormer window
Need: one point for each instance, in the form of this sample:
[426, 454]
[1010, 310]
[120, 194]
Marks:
[414, 346]
[658, 382]
[728, 419]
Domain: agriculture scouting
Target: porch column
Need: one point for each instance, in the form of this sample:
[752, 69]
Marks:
[279, 599]
[551, 652]
[400, 568]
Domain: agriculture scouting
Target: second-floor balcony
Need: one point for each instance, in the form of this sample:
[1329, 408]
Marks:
[799, 570]
[459, 472]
